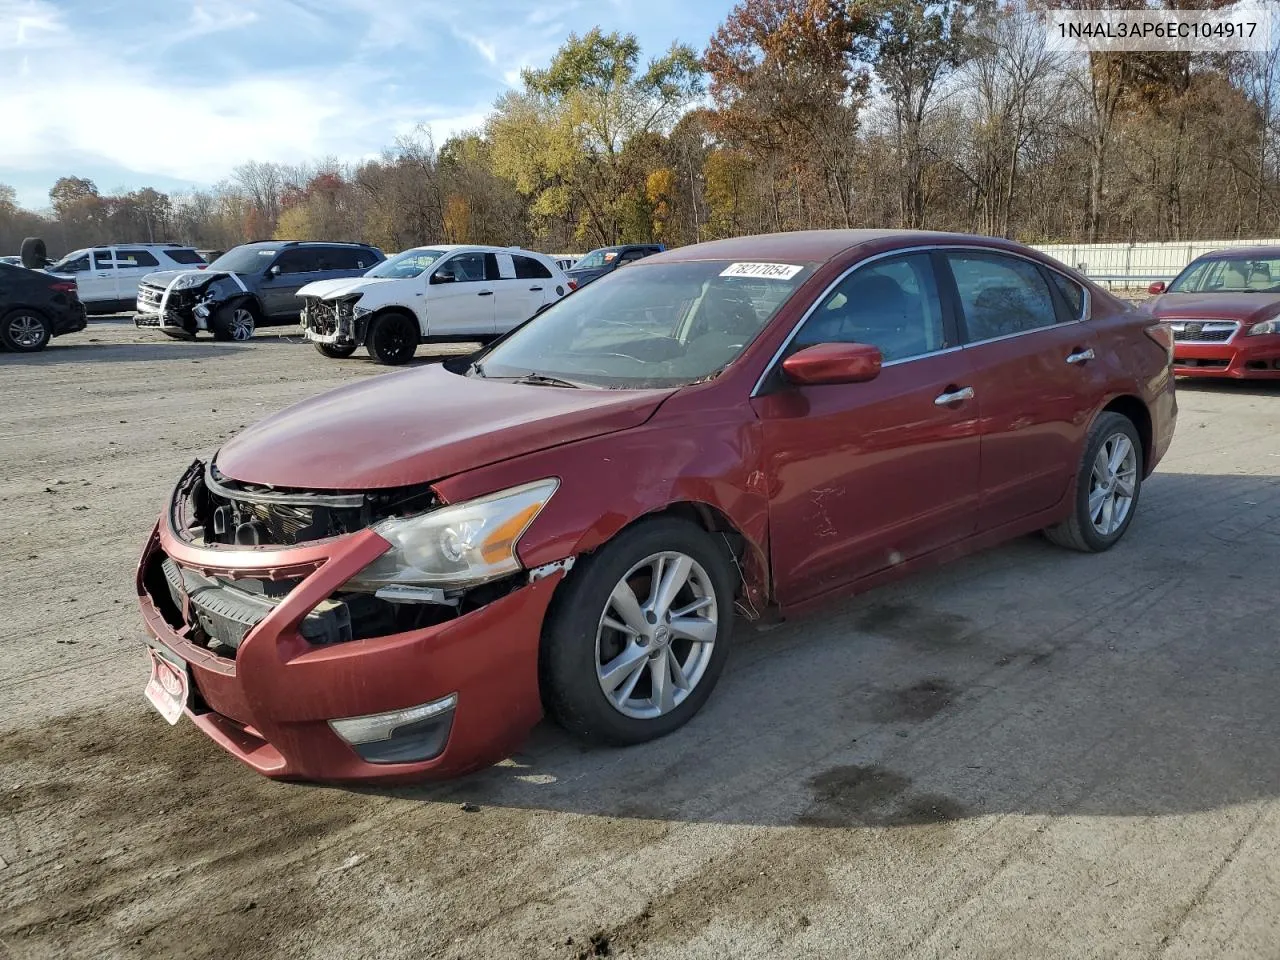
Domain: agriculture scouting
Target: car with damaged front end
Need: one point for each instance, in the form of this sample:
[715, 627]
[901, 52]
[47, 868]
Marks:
[253, 285]
[397, 579]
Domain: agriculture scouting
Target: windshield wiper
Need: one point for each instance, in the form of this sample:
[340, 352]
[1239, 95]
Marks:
[542, 380]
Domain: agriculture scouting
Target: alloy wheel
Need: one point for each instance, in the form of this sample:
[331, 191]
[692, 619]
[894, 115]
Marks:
[1112, 484]
[656, 635]
[26, 331]
[242, 324]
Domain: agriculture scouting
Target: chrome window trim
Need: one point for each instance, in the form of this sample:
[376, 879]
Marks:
[927, 248]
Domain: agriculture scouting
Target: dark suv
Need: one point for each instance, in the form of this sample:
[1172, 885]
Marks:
[250, 286]
[607, 259]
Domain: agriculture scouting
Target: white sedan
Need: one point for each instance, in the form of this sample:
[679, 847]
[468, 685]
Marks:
[442, 292]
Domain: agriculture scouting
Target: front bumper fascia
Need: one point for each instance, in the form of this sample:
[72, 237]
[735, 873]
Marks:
[1246, 358]
[270, 707]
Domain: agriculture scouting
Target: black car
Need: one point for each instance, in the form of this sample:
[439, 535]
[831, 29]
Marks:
[36, 307]
[250, 286]
[607, 259]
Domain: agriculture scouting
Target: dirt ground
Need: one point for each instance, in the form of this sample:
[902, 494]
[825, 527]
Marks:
[1029, 753]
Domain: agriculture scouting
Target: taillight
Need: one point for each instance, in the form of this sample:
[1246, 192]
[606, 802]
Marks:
[1161, 334]
[64, 286]
[573, 284]
[201, 266]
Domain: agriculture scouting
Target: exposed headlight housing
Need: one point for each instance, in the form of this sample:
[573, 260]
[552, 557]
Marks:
[1267, 326]
[460, 545]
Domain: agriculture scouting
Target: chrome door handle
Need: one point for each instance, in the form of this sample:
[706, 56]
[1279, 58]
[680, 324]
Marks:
[1080, 356]
[955, 396]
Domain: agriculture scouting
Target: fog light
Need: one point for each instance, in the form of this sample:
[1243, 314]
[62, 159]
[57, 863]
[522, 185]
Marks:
[401, 736]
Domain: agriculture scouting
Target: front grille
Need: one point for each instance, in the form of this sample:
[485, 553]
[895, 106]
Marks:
[225, 613]
[150, 296]
[1203, 331]
[1187, 362]
[321, 317]
[147, 320]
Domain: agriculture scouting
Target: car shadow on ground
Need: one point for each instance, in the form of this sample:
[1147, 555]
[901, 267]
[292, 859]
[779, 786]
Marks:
[1022, 680]
[84, 347]
[1226, 387]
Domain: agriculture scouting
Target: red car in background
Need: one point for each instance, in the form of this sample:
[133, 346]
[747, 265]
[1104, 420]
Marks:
[1224, 313]
[396, 579]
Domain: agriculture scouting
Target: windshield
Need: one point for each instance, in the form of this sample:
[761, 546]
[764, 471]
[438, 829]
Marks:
[596, 258]
[1229, 275]
[658, 325]
[64, 265]
[245, 260]
[411, 263]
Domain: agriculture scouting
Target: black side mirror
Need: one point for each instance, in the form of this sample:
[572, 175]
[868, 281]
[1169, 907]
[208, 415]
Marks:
[443, 276]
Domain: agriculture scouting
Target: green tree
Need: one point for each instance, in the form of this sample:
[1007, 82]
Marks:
[562, 139]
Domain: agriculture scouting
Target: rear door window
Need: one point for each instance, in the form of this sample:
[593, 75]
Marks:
[347, 258]
[527, 268]
[1000, 296]
[135, 258]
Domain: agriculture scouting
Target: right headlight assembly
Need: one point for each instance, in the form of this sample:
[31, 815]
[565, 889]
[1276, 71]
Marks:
[459, 545]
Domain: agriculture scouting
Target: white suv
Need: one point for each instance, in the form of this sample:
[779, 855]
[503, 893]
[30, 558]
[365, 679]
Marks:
[441, 292]
[107, 277]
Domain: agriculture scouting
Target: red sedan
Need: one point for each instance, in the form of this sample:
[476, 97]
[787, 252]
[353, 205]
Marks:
[396, 579]
[1224, 313]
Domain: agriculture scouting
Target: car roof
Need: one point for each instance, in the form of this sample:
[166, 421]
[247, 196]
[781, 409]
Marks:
[815, 245]
[481, 248]
[1259, 252]
[306, 243]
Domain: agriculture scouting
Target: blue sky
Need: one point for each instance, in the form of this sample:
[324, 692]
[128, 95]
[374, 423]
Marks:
[175, 93]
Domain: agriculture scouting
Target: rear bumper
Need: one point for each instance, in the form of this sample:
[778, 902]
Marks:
[1243, 358]
[270, 706]
[72, 320]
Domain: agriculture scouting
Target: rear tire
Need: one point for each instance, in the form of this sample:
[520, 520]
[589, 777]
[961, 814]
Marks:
[1108, 487]
[235, 323]
[25, 331]
[336, 351]
[393, 338]
[658, 675]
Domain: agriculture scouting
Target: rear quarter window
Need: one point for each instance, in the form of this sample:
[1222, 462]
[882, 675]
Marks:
[1071, 292]
[184, 256]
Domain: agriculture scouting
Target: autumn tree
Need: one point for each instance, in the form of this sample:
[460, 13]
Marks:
[561, 139]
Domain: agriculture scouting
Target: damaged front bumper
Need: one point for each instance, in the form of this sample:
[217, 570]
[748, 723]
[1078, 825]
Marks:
[295, 698]
[339, 322]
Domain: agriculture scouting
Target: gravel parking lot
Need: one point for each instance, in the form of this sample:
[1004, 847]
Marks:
[1026, 754]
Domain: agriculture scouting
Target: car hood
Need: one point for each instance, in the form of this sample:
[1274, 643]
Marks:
[162, 278]
[341, 287]
[1247, 307]
[419, 426]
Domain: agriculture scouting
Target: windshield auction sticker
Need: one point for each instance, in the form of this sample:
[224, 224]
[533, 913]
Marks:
[762, 271]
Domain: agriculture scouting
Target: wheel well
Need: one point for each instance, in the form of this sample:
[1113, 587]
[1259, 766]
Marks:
[752, 565]
[1137, 413]
[245, 300]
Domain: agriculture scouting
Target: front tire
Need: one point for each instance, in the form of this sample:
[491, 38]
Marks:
[25, 331]
[639, 634]
[393, 338]
[336, 351]
[1107, 487]
[234, 323]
